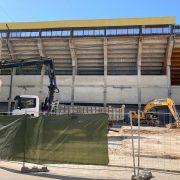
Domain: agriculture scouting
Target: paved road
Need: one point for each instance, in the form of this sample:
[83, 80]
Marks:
[11, 170]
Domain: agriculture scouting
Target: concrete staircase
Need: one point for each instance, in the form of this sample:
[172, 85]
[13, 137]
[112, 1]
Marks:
[175, 67]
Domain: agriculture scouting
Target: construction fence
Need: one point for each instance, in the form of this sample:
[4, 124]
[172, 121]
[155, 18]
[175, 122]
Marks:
[153, 146]
[78, 139]
[84, 139]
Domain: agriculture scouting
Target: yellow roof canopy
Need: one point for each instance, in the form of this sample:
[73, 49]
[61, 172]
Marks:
[90, 23]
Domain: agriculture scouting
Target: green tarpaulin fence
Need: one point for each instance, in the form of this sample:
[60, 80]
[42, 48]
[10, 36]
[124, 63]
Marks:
[78, 138]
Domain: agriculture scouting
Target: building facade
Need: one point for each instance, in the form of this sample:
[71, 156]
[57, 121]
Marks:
[113, 61]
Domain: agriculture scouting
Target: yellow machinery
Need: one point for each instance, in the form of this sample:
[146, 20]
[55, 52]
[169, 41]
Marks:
[148, 115]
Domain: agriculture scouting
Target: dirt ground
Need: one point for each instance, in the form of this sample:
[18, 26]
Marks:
[159, 147]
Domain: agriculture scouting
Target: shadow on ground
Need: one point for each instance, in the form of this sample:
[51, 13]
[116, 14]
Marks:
[45, 175]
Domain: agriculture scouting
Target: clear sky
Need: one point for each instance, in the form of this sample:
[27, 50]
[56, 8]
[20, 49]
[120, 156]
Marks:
[42, 10]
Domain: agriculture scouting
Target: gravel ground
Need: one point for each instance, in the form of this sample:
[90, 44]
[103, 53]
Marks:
[159, 148]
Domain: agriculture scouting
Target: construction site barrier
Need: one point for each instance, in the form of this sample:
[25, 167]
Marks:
[114, 113]
[75, 138]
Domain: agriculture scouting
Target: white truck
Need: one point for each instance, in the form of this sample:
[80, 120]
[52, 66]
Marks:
[29, 104]
[26, 104]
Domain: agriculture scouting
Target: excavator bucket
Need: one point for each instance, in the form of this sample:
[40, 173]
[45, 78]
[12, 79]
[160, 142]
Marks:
[174, 125]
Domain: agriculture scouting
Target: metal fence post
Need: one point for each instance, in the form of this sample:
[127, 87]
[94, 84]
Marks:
[138, 141]
[132, 138]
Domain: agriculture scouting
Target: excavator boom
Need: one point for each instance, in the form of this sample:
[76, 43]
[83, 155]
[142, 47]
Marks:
[148, 109]
[160, 103]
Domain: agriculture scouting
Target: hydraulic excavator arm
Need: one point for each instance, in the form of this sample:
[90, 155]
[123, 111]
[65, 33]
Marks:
[158, 103]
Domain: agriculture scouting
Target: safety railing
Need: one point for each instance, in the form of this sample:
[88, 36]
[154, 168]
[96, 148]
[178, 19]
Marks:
[115, 114]
[92, 32]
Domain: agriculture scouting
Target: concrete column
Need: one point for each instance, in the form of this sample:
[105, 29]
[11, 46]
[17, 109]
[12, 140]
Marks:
[13, 72]
[42, 53]
[169, 50]
[139, 57]
[41, 50]
[1, 43]
[105, 71]
[12, 54]
[74, 68]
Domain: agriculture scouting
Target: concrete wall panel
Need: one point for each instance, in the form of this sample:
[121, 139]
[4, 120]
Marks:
[89, 80]
[89, 95]
[150, 93]
[64, 94]
[158, 81]
[176, 94]
[122, 80]
[121, 95]
[90, 89]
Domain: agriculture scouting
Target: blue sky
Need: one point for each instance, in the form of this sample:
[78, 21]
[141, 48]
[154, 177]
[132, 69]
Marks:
[42, 10]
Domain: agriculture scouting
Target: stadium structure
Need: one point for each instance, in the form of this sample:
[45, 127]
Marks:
[103, 61]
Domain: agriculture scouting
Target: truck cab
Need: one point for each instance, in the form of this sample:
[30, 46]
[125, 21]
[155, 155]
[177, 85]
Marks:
[26, 104]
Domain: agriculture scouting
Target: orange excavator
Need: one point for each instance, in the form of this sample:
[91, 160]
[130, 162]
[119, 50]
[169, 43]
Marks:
[150, 116]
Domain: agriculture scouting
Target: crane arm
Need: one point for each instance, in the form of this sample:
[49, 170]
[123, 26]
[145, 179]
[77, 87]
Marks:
[5, 64]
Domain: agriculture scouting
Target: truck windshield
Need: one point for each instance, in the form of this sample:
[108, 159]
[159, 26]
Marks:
[23, 103]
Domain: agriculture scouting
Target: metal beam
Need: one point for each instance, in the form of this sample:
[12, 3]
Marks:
[42, 53]
[105, 70]
[74, 67]
[139, 57]
[169, 50]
